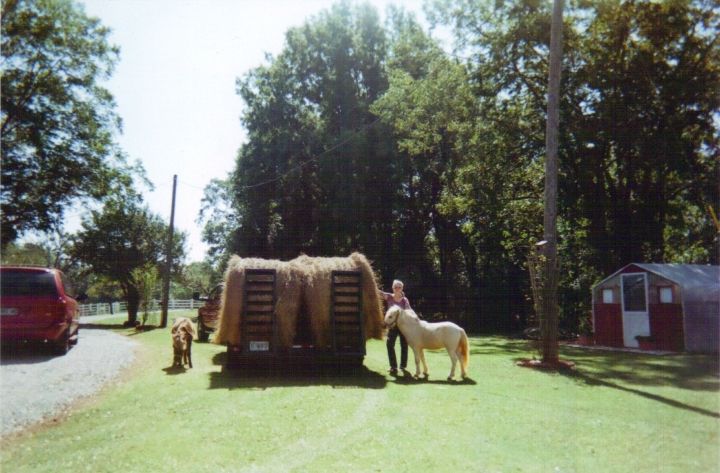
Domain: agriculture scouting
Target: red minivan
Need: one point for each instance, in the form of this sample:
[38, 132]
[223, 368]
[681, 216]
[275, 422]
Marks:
[36, 307]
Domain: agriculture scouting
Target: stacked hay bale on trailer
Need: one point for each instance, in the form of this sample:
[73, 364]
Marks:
[318, 294]
[313, 309]
[281, 297]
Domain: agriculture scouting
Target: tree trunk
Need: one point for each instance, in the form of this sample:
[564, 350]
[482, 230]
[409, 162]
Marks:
[549, 326]
[133, 303]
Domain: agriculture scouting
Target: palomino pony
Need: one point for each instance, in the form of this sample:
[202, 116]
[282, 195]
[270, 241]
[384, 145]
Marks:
[420, 335]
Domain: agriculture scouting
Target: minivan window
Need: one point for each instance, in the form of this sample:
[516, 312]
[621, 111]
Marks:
[67, 286]
[24, 283]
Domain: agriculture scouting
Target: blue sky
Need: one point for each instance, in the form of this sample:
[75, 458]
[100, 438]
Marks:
[175, 86]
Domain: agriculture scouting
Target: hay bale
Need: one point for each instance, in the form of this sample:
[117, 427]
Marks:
[372, 303]
[317, 294]
[288, 290]
[302, 282]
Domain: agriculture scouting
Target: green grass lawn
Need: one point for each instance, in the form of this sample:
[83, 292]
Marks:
[617, 412]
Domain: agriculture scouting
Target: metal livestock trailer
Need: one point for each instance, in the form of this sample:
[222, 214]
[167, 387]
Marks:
[259, 342]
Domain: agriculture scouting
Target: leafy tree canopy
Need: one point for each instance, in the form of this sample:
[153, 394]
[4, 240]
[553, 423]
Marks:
[27, 254]
[375, 139]
[57, 121]
[123, 239]
[314, 149]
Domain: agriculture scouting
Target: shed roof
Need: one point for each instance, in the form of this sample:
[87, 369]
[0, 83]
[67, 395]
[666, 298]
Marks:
[685, 275]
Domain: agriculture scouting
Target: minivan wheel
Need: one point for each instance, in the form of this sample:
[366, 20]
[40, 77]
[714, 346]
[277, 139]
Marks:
[62, 345]
[74, 339]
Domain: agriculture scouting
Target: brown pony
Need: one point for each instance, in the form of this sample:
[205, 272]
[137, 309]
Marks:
[183, 332]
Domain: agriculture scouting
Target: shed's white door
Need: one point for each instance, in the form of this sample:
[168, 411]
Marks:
[634, 308]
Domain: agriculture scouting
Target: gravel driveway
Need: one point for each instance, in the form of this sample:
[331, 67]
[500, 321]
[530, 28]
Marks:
[37, 386]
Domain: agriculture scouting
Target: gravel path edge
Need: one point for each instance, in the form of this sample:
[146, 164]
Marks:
[36, 388]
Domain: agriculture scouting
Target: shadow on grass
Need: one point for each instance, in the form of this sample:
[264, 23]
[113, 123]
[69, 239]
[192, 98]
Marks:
[120, 328]
[626, 372]
[139, 330]
[682, 370]
[174, 370]
[274, 375]
[686, 371]
[592, 381]
[102, 326]
[408, 380]
[494, 345]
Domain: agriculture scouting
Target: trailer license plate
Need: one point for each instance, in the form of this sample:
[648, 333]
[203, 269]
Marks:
[8, 311]
[259, 346]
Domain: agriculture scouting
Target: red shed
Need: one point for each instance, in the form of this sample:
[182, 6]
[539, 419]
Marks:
[659, 306]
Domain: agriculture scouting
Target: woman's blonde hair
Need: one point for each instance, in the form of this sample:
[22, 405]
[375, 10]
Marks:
[398, 282]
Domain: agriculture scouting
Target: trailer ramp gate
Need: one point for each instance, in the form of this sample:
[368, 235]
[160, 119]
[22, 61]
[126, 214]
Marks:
[259, 328]
[347, 319]
[258, 331]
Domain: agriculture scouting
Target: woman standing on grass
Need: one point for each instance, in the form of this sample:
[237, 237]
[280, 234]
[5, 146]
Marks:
[396, 298]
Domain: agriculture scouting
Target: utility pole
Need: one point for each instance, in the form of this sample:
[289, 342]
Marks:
[168, 261]
[549, 326]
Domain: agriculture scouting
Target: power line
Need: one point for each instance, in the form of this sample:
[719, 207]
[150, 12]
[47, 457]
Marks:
[192, 185]
[314, 158]
[295, 168]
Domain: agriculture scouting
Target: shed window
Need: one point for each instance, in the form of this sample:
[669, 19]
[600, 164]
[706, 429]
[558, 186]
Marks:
[666, 295]
[607, 295]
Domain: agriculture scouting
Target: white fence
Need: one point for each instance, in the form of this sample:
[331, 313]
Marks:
[118, 307]
[100, 309]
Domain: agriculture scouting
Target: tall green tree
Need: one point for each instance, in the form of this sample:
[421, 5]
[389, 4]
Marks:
[27, 254]
[51, 250]
[56, 119]
[638, 155]
[315, 175]
[220, 220]
[644, 156]
[430, 106]
[121, 241]
[375, 139]
[199, 277]
[148, 283]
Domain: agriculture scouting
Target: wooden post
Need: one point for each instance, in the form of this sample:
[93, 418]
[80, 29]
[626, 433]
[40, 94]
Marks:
[168, 261]
[549, 326]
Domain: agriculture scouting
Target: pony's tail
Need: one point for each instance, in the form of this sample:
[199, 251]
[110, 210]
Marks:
[464, 351]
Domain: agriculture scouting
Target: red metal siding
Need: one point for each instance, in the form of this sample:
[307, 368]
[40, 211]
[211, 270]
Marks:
[608, 325]
[666, 326]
